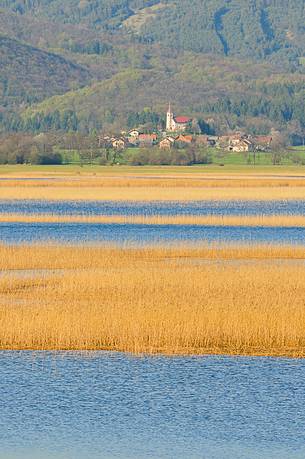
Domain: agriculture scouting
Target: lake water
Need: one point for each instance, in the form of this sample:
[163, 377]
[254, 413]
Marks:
[155, 208]
[108, 405]
[143, 234]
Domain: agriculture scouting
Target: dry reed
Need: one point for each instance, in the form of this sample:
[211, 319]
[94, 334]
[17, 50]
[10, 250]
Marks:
[195, 220]
[168, 186]
[234, 300]
[168, 181]
[151, 193]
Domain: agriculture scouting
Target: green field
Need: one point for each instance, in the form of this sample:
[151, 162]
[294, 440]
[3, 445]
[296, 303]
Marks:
[216, 157]
[75, 169]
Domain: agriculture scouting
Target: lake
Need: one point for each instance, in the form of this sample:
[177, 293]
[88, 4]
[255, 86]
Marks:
[154, 208]
[110, 405]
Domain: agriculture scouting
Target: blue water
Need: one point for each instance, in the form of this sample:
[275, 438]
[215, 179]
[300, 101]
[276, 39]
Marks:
[142, 234]
[155, 208]
[145, 234]
[106, 406]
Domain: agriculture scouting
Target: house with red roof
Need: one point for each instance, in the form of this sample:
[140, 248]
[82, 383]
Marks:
[147, 140]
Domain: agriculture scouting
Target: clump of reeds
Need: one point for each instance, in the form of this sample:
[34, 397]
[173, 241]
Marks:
[235, 300]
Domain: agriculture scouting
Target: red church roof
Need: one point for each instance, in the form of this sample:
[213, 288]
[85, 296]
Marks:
[182, 119]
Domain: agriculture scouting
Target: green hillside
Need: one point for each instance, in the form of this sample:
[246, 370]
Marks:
[257, 28]
[229, 94]
[29, 74]
[110, 64]
[249, 28]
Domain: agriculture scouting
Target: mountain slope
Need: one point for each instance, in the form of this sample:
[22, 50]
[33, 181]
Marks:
[251, 28]
[29, 74]
[248, 28]
[228, 92]
[84, 65]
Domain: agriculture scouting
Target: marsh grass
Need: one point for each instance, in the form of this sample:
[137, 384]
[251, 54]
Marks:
[176, 300]
[195, 220]
[168, 186]
[170, 181]
[147, 194]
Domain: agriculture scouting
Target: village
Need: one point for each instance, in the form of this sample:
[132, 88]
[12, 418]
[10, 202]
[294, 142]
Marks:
[178, 134]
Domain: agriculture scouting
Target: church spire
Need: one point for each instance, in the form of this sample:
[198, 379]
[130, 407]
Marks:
[169, 118]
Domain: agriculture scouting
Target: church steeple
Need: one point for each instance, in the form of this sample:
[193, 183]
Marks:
[169, 119]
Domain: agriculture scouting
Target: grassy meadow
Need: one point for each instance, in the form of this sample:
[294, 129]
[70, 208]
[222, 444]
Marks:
[246, 300]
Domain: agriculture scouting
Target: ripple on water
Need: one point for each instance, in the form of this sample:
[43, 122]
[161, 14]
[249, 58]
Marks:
[155, 208]
[106, 405]
[145, 234]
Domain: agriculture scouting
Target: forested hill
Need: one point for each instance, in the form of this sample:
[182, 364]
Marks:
[257, 28]
[104, 64]
[251, 28]
[30, 74]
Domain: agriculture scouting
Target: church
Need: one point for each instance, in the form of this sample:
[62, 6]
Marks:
[176, 124]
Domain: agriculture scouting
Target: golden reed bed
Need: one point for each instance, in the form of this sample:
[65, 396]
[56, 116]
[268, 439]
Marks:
[170, 186]
[228, 300]
[208, 220]
[168, 181]
[139, 194]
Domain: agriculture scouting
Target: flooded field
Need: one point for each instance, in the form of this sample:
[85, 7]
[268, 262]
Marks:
[110, 406]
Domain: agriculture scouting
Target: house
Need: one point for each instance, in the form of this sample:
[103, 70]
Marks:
[134, 134]
[176, 124]
[167, 143]
[235, 139]
[242, 145]
[119, 144]
[262, 142]
[230, 140]
[134, 141]
[185, 139]
[147, 140]
[206, 140]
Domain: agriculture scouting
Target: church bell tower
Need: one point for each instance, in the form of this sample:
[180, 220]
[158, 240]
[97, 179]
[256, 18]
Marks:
[170, 119]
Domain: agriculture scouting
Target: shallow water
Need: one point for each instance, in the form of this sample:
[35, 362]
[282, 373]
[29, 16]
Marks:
[144, 234]
[155, 208]
[107, 405]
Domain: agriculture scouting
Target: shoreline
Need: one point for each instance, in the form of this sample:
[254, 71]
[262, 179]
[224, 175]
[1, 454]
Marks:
[182, 353]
